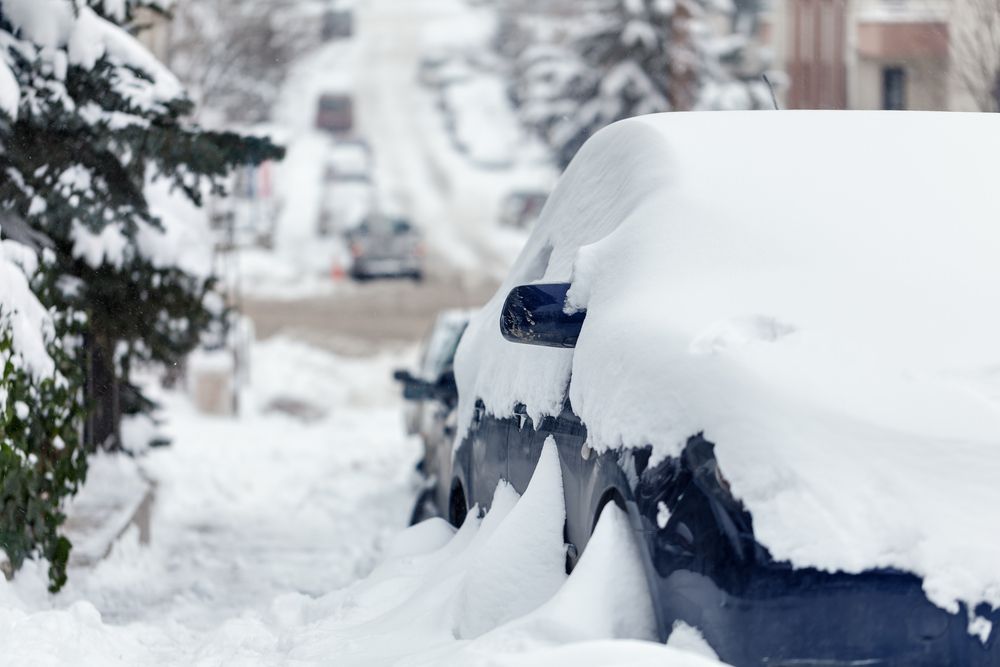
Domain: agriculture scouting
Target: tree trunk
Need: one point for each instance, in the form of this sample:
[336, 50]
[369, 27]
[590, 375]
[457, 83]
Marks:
[103, 426]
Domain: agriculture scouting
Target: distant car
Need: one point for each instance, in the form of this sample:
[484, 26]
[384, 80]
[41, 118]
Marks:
[441, 69]
[335, 113]
[770, 340]
[344, 205]
[521, 209]
[480, 121]
[386, 247]
[349, 160]
[432, 398]
[338, 24]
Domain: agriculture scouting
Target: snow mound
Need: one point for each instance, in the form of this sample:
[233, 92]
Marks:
[606, 597]
[522, 565]
[495, 594]
[829, 322]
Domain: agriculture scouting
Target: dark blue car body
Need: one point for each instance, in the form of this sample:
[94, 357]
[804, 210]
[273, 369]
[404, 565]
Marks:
[704, 565]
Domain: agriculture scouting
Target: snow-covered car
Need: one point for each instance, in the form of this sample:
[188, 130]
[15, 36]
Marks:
[432, 397]
[479, 118]
[338, 23]
[440, 69]
[385, 247]
[335, 113]
[349, 160]
[521, 208]
[344, 205]
[771, 338]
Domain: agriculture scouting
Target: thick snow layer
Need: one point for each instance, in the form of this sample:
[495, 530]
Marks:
[103, 508]
[10, 93]
[184, 241]
[96, 248]
[817, 293]
[60, 24]
[277, 542]
[30, 324]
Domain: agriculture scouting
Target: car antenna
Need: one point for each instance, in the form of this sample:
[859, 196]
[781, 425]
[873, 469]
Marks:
[770, 88]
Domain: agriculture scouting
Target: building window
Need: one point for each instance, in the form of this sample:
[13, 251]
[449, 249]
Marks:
[893, 88]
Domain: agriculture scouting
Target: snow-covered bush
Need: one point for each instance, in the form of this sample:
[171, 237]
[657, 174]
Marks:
[41, 458]
[92, 118]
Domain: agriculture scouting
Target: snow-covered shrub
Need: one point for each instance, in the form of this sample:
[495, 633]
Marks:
[41, 457]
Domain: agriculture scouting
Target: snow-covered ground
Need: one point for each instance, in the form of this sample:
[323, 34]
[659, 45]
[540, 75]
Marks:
[279, 540]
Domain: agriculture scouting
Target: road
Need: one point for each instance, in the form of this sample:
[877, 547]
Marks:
[417, 170]
[362, 319]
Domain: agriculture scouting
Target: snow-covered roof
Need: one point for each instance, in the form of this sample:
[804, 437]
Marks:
[817, 292]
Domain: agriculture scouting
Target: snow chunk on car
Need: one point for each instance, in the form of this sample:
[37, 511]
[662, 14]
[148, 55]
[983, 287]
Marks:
[818, 294]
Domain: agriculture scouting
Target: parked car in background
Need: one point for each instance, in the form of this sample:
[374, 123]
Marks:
[520, 209]
[335, 113]
[471, 109]
[348, 194]
[789, 389]
[349, 160]
[432, 397]
[385, 247]
[441, 68]
[338, 23]
[344, 205]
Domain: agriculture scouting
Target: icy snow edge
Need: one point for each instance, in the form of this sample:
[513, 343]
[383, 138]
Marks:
[828, 321]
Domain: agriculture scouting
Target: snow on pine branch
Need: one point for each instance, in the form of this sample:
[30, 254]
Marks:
[61, 34]
[10, 94]
[29, 323]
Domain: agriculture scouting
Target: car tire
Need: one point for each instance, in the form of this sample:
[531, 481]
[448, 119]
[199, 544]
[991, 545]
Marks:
[458, 507]
[423, 507]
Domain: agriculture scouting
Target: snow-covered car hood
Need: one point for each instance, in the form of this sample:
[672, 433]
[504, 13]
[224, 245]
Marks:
[817, 292]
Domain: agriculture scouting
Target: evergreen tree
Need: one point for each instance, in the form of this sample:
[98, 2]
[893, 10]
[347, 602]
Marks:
[97, 119]
[633, 57]
[88, 120]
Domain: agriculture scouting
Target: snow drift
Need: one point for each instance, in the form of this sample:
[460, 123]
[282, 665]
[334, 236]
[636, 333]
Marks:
[816, 292]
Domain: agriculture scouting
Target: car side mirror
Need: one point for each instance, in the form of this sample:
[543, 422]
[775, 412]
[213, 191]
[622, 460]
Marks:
[416, 389]
[535, 315]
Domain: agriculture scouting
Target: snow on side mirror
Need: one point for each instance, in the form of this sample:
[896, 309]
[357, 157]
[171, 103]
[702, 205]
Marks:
[534, 314]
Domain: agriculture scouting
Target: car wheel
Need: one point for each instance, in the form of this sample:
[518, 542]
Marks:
[423, 508]
[457, 506]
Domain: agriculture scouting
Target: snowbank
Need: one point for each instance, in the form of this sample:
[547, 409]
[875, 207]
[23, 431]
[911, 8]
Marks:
[817, 293]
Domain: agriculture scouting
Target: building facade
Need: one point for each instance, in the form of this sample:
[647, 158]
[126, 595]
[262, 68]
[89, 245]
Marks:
[871, 54]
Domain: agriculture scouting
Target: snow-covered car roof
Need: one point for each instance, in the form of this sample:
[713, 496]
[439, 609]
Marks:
[817, 292]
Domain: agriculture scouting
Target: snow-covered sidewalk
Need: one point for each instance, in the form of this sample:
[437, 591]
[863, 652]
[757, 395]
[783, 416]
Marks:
[246, 511]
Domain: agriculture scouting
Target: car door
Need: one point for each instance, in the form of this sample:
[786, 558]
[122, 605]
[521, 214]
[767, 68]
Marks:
[524, 447]
[487, 456]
